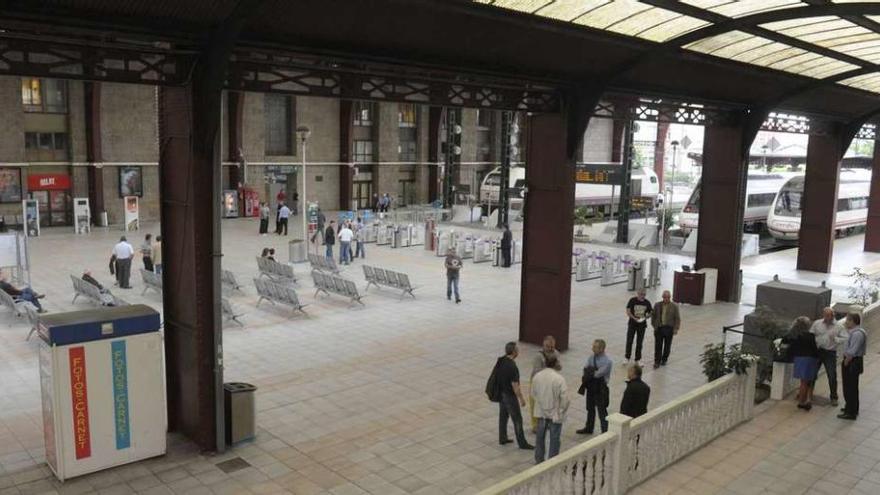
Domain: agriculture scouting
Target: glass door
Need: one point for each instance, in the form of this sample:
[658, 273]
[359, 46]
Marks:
[43, 198]
[362, 194]
[59, 208]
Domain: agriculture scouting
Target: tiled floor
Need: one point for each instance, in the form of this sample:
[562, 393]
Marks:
[385, 399]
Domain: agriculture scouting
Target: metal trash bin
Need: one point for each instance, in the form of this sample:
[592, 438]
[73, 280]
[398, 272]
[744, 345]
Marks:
[240, 412]
[297, 251]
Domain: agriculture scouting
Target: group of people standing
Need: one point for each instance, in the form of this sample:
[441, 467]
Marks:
[347, 233]
[123, 253]
[815, 344]
[549, 400]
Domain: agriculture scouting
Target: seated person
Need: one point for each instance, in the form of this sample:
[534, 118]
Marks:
[25, 294]
[271, 254]
[265, 253]
[107, 298]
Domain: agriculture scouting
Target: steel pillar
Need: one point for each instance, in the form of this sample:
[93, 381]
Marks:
[660, 153]
[346, 142]
[722, 205]
[504, 186]
[819, 203]
[548, 232]
[435, 115]
[618, 129]
[94, 154]
[872, 228]
[623, 211]
[235, 118]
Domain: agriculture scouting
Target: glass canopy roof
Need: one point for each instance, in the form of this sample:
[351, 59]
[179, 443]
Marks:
[783, 36]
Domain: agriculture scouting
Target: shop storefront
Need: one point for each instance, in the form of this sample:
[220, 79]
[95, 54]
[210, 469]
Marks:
[53, 193]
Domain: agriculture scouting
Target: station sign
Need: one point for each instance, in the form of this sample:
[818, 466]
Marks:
[599, 173]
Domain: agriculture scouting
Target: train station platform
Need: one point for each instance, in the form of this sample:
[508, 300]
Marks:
[383, 399]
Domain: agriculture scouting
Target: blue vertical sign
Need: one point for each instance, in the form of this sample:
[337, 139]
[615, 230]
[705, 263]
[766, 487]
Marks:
[120, 394]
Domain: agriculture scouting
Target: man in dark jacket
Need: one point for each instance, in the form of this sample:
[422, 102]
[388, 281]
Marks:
[330, 239]
[636, 395]
[506, 244]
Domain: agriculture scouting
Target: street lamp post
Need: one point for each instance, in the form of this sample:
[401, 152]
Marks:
[672, 182]
[303, 132]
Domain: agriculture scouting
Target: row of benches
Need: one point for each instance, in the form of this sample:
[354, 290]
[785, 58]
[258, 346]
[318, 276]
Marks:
[277, 272]
[388, 278]
[278, 294]
[323, 263]
[334, 284]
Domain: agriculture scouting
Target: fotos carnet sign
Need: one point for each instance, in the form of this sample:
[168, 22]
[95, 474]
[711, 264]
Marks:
[79, 395]
[599, 173]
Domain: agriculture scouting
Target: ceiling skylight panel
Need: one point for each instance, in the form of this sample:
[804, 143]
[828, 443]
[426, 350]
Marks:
[637, 23]
[742, 48]
[740, 8]
[673, 28]
[529, 6]
[869, 82]
[769, 54]
[569, 10]
[709, 45]
[612, 13]
[796, 23]
[812, 28]
[827, 68]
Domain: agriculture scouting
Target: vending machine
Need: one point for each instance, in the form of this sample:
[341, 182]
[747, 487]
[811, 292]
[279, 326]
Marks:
[250, 202]
[230, 203]
[103, 388]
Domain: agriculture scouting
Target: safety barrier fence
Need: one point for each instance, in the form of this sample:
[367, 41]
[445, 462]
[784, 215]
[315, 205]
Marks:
[633, 450]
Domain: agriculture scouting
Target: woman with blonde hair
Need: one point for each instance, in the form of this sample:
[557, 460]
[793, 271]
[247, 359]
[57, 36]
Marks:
[802, 346]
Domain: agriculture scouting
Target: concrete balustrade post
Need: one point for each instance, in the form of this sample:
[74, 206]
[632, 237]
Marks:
[749, 395]
[618, 424]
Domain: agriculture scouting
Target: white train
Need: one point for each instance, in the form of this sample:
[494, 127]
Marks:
[784, 220]
[645, 189]
[761, 190]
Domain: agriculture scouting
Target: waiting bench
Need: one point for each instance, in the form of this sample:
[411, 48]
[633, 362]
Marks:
[227, 278]
[151, 281]
[323, 263]
[332, 284]
[277, 272]
[229, 313]
[93, 293]
[278, 293]
[388, 278]
[17, 306]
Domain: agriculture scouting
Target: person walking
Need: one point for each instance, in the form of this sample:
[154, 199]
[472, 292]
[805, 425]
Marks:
[636, 395]
[594, 385]
[345, 237]
[157, 255]
[360, 235]
[830, 335]
[853, 365]
[283, 216]
[295, 202]
[147, 252]
[666, 320]
[802, 346]
[506, 245]
[453, 274]
[539, 362]
[638, 310]
[549, 393]
[330, 239]
[511, 398]
[264, 218]
[123, 253]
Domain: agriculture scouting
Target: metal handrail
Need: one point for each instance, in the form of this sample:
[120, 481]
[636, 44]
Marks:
[731, 328]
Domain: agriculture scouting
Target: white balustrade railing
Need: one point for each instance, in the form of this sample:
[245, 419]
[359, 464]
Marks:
[633, 450]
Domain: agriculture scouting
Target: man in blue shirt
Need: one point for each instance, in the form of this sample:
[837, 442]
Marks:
[852, 365]
[597, 372]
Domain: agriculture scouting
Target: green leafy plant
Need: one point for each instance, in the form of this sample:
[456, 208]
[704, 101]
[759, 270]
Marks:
[863, 289]
[717, 362]
[582, 216]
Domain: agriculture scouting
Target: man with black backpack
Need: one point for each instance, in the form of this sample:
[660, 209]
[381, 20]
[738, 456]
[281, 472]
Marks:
[503, 388]
[594, 384]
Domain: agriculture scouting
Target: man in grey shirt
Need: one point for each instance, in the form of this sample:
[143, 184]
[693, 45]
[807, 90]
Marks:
[539, 362]
[597, 372]
[852, 366]
[829, 336]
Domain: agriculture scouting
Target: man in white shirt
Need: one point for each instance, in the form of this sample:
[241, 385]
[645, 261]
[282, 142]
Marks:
[551, 404]
[829, 336]
[123, 252]
[345, 235]
[283, 215]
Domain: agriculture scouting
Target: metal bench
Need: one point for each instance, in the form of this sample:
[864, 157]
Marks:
[151, 281]
[17, 306]
[227, 278]
[277, 272]
[278, 293]
[323, 263]
[94, 294]
[229, 313]
[332, 284]
[388, 278]
[33, 319]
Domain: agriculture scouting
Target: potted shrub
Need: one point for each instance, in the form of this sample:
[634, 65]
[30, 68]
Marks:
[863, 290]
[712, 359]
[582, 220]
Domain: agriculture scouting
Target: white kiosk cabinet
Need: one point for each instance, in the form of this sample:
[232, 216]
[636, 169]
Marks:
[103, 388]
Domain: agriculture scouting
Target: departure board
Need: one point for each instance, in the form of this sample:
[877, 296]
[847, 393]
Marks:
[599, 173]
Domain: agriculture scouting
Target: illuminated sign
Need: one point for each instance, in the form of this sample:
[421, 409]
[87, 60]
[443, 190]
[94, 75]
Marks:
[79, 395]
[599, 173]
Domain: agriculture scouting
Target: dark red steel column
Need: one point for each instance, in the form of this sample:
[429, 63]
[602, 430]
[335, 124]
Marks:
[660, 152]
[872, 229]
[94, 155]
[435, 115]
[819, 203]
[346, 122]
[235, 118]
[722, 203]
[548, 232]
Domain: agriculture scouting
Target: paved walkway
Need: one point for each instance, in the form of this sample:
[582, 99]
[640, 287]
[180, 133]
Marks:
[385, 400]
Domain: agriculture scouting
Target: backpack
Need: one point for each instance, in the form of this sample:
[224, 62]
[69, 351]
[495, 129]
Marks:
[493, 392]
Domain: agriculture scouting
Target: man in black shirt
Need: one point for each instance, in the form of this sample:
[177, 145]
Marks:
[330, 239]
[506, 245]
[507, 381]
[638, 310]
[637, 393]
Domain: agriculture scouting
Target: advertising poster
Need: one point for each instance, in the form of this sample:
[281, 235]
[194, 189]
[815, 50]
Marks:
[131, 182]
[31, 215]
[131, 213]
[10, 185]
[82, 215]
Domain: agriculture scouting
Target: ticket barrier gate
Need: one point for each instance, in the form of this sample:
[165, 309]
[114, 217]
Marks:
[591, 266]
[371, 232]
[442, 242]
[643, 274]
[384, 233]
[616, 270]
[464, 247]
[484, 250]
[515, 253]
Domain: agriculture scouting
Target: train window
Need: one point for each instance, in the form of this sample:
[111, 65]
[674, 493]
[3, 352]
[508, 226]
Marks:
[763, 199]
[653, 180]
[693, 204]
[493, 180]
[858, 203]
[843, 204]
[789, 203]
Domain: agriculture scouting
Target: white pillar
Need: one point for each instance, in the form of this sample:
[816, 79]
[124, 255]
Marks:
[618, 424]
